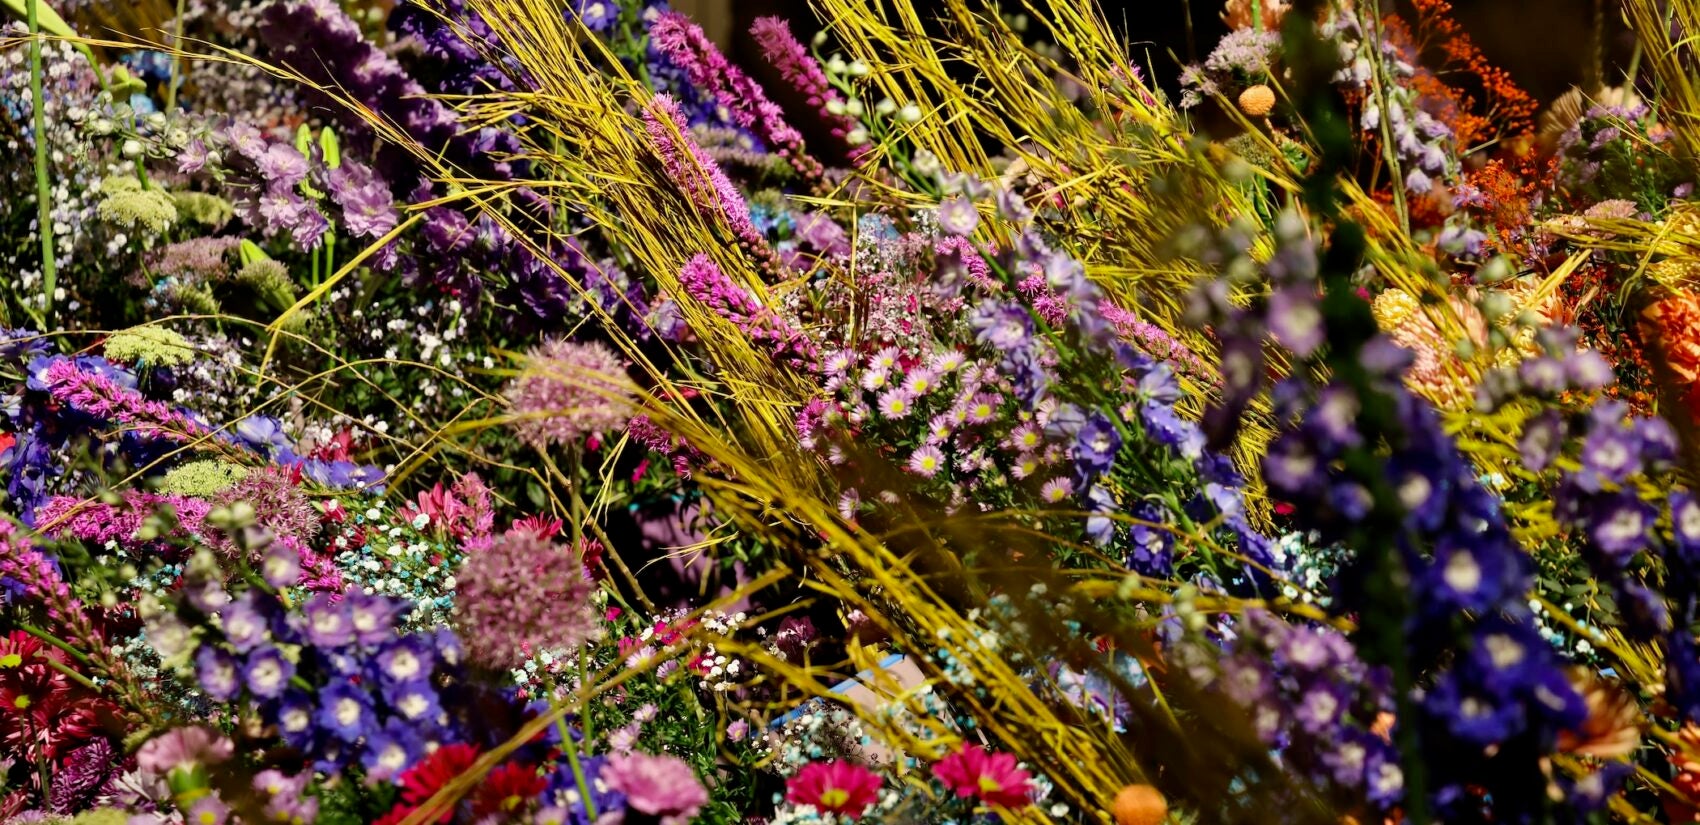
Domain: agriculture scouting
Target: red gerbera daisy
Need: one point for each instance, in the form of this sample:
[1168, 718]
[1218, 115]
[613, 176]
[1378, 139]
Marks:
[507, 789]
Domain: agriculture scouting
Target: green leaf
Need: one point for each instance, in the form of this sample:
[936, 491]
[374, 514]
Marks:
[122, 84]
[252, 252]
[46, 18]
[303, 140]
[331, 148]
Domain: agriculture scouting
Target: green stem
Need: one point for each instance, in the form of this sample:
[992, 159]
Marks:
[43, 189]
[54, 640]
[176, 59]
[571, 749]
[74, 676]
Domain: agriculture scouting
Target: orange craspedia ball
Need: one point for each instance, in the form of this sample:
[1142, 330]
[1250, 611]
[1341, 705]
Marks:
[1257, 101]
[1140, 805]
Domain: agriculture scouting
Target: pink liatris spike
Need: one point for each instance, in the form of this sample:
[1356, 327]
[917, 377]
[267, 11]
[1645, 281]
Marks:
[704, 281]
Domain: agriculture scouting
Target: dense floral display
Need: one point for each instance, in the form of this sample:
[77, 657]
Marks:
[489, 411]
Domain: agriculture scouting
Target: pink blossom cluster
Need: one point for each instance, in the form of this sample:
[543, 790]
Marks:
[1152, 339]
[463, 511]
[100, 396]
[704, 281]
[690, 49]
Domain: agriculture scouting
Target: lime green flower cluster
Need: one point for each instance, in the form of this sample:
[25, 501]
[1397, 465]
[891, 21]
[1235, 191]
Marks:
[202, 478]
[151, 345]
[125, 203]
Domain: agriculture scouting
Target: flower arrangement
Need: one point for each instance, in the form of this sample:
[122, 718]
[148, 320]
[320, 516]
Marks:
[487, 411]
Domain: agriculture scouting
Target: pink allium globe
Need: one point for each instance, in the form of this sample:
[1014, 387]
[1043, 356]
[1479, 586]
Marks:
[567, 391]
[834, 787]
[661, 786]
[520, 596]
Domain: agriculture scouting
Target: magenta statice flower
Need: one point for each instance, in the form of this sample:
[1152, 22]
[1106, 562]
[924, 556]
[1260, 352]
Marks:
[660, 786]
[522, 596]
[567, 391]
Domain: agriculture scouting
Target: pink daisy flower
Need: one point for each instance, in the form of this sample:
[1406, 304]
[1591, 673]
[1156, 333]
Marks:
[834, 787]
[895, 404]
[1057, 490]
[993, 777]
[926, 462]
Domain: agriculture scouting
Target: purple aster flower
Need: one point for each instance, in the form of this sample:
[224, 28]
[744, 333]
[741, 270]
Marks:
[372, 617]
[295, 720]
[1100, 528]
[282, 165]
[1292, 469]
[1296, 320]
[345, 711]
[1003, 327]
[327, 622]
[1685, 526]
[1334, 418]
[1588, 370]
[926, 461]
[1611, 453]
[1658, 442]
[1542, 438]
[218, 673]
[243, 624]
[208, 810]
[1620, 525]
[896, 404]
[1319, 709]
[416, 702]
[405, 660]
[390, 750]
[1474, 718]
[1465, 579]
[958, 216]
[1096, 445]
[268, 672]
[1543, 375]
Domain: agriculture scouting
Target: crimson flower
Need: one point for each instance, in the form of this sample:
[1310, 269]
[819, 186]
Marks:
[834, 787]
[993, 777]
[507, 789]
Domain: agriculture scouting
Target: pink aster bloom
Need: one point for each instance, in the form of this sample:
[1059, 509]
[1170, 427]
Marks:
[661, 786]
[1057, 490]
[983, 408]
[920, 382]
[896, 404]
[834, 787]
[993, 777]
[926, 462]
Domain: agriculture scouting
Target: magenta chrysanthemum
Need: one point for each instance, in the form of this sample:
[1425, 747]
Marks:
[521, 596]
[567, 391]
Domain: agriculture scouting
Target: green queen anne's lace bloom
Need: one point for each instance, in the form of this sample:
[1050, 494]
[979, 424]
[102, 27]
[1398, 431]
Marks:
[202, 478]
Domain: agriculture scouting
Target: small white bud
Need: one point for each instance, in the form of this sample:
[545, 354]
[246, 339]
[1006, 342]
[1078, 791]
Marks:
[857, 136]
[859, 69]
[885, 107]
[854, 108]
[909, 114]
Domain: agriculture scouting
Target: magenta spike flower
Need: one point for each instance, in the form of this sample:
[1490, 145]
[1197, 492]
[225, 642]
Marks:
[100, 396]
[800, 69]
[704, 281]
[700, 177]
[689, 48]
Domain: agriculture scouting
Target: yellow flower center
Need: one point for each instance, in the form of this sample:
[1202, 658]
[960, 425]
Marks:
[834, 798]
[989, 785]
[22, 702]
[11, 660]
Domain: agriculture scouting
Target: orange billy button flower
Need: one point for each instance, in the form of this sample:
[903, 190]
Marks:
[1257, 101]
[1140, 805]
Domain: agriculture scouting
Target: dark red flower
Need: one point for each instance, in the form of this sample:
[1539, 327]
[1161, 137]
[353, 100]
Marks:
[507, 789]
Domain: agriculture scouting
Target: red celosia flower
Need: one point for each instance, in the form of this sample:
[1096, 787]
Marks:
[993, 777]
[422, 781]
[506, 789]
[834, 787]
